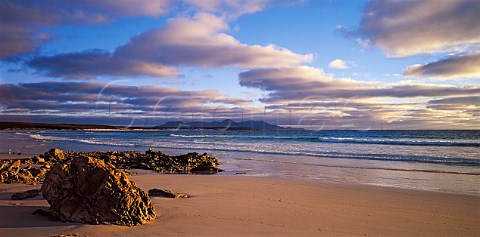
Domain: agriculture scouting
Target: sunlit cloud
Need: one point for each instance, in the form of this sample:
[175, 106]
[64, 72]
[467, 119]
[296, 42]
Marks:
[406, 28]
[286, 84]
[319, 98]
[338, 64]
[198, 41]
[461, 66]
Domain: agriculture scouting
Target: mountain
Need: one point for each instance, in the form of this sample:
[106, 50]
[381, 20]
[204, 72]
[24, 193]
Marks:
[226, 124]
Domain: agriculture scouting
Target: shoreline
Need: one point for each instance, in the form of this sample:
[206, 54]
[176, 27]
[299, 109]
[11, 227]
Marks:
[230, 204]
[265, 206]
[403, 175]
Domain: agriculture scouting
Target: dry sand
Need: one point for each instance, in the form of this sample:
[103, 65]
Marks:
[255, 206]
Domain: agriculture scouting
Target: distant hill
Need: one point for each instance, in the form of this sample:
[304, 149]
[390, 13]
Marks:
[227, 124]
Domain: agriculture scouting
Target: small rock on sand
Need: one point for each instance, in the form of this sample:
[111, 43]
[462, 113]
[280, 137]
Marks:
[165, 193]
[27, 194]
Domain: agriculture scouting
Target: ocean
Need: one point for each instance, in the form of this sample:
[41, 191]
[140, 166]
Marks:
[447, 161]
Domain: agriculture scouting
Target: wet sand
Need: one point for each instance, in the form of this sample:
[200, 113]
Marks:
[255, 206]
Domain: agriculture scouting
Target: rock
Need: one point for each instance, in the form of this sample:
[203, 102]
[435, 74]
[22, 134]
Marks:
[91, 191]
[14, 167]
[206, 167]
[54, 154]
[165, 193]
[38, 160]
[12, 172]
[27, 194]
[150, 151]
[70, 235]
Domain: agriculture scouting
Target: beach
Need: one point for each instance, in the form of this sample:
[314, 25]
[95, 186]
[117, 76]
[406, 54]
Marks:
[264, 195]
[253, 206]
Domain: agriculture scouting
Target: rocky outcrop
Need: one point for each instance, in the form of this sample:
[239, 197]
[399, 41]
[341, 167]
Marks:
[20, 171]
[88, 190]
[32, 171]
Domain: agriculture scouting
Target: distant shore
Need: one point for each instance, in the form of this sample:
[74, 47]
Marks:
[27, 125]
[40, 126]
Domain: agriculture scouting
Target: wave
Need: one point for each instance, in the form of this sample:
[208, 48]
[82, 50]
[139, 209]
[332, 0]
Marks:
[87, 141]
[382, 141]
[51, 138]
[203, 142]
[409, 142]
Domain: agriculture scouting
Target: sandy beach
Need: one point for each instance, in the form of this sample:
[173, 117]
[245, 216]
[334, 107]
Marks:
[259, 206]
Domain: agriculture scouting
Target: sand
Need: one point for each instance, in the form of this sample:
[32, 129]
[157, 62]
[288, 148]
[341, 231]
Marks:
[260, 206]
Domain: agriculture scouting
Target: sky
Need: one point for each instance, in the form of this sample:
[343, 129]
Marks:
[303, 63]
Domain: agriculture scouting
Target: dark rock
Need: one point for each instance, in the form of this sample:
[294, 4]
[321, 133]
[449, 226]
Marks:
[206, 168]
[70, 235]
[150, 151]
[91, 191]
[165, 193]
[27, 194]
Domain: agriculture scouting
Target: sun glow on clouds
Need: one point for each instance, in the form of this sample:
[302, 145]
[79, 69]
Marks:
[199, 35]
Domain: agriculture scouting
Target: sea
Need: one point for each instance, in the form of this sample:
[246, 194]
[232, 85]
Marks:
[444, 161]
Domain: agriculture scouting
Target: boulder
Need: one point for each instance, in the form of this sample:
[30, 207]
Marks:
[88, 190]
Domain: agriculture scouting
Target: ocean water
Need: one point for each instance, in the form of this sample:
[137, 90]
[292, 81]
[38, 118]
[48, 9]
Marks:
[428, 160]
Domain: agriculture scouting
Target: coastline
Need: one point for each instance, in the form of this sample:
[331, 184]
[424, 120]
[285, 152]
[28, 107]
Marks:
[265, 206]
[343, 170]
[231, 204]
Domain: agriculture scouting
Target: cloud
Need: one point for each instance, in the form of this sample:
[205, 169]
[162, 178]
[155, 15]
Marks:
[201, 41]
[294, 84]
[22, 22]
[233, 8]
[406, 28]
[464, 103]
[198, 41]
[465, 100]
[97, 99]
[338, 64]
[460, 66]
[93, 63]
[319, 100]
[94, 102]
